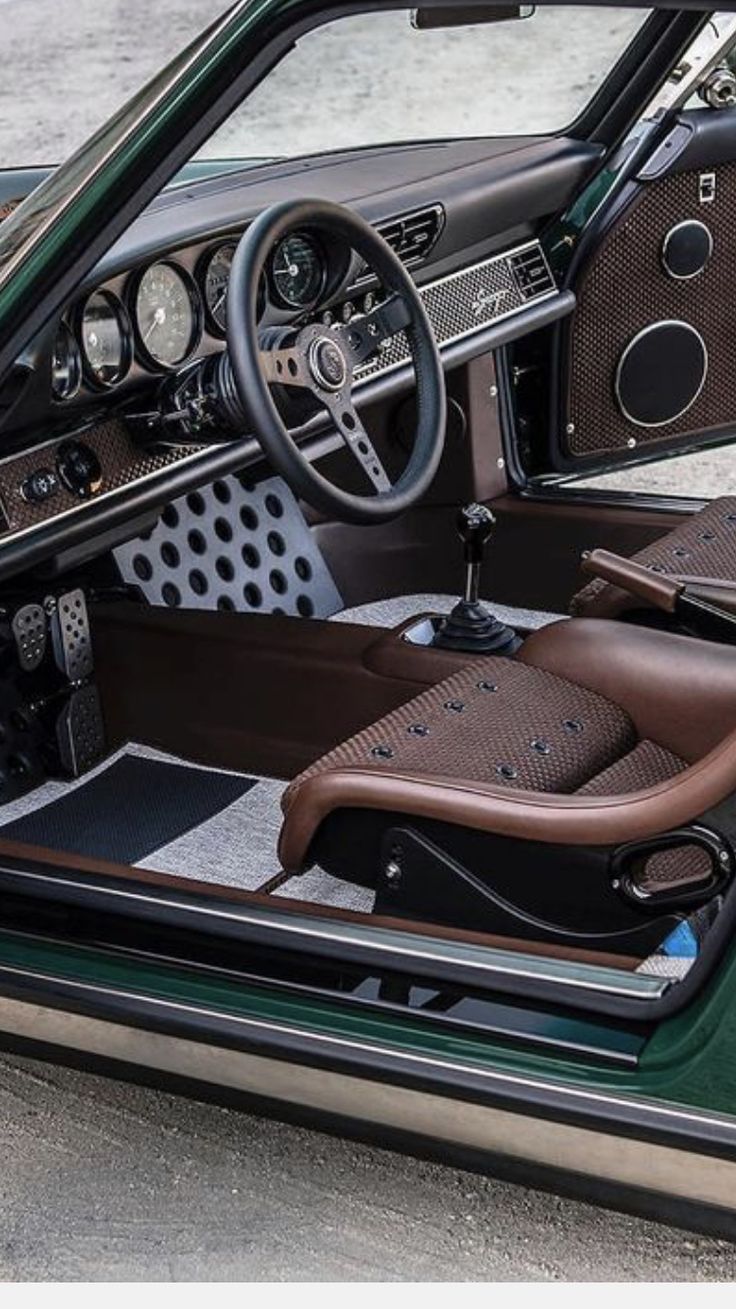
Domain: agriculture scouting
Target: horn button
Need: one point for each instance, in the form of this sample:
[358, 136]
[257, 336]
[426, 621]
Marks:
[327, 363]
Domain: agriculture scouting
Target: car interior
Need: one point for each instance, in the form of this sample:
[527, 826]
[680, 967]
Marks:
[300, 596]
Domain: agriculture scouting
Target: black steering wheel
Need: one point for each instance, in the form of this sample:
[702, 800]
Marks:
[323, 360]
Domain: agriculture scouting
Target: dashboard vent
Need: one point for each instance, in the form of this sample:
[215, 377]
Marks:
[531, 272]
[412, 236]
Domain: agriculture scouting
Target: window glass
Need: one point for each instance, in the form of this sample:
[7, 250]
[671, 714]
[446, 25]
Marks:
[375, 78]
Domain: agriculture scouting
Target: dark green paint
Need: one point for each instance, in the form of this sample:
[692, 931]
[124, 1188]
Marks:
[690, 1061]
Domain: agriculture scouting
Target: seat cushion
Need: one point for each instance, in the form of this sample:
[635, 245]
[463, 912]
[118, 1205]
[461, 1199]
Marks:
[702, 551]
[596, 733]
[495, 721]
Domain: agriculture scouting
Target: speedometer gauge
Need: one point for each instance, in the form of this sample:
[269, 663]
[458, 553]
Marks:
[105, 338]
[297, 271]
[166, 315]
[216, 279]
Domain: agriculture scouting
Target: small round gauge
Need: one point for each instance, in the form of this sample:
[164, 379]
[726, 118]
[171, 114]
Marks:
[166, 315]
[66, 365]
[105, 335]
[297, 271]
[216, 279]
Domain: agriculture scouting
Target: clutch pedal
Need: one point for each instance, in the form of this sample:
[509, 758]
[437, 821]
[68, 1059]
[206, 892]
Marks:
[29, 630]
[80, 732]
[71, 637]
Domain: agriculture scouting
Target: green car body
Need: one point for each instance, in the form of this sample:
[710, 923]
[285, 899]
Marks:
[251, 1005]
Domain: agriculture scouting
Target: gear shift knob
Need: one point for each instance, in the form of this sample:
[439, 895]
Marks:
[474, 525]
[470, 626]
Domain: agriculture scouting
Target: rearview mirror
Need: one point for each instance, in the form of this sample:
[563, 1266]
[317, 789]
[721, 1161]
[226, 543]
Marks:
[467, 15]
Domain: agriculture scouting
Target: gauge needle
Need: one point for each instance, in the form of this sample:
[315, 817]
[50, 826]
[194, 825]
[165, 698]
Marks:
[219, 301]
[158, 319]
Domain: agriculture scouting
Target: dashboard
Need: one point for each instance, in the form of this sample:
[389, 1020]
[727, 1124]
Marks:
[72, 464]
[156, 318]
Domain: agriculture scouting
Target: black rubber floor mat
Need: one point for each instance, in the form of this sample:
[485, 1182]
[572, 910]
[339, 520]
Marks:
[134, 807]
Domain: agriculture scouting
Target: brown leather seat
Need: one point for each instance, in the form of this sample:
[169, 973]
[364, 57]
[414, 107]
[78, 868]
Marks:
[596, 734]
[701, 553]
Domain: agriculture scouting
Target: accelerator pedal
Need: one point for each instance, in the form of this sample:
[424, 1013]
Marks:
[71, 637]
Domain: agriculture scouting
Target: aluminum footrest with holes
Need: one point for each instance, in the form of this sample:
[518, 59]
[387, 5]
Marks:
[232, 546]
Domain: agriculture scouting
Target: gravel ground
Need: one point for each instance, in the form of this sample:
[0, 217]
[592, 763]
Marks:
[106, 1182]
[101, 1181]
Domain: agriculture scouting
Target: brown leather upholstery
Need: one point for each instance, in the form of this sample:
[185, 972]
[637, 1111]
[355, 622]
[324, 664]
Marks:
[701, 553]
[583, 741]
[494, 721]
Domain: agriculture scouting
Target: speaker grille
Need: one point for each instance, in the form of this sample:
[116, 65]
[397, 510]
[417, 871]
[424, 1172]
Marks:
[624, 289]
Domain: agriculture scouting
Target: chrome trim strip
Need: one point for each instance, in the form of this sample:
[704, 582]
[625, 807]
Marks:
[492, 962]
[490, 1076]
[204, 452]
[588, 1151]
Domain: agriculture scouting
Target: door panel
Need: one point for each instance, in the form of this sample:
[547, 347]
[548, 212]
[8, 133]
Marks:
[646, 365]
[625, 296]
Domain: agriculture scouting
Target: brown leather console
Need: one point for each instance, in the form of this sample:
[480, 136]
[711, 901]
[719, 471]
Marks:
[701, 553]
[661, 709]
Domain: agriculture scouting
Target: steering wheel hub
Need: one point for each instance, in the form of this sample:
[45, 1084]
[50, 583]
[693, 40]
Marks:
[327, 363]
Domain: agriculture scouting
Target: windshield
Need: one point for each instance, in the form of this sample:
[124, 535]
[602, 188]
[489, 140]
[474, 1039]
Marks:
[361, 80]
[375, 78]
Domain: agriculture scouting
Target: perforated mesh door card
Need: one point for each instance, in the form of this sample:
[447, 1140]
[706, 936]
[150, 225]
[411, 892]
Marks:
[232, 546]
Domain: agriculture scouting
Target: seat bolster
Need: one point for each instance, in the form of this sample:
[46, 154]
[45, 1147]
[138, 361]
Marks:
[679, 692]
[528, 815]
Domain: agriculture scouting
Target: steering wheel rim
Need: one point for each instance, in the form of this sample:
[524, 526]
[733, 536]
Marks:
[312, 362]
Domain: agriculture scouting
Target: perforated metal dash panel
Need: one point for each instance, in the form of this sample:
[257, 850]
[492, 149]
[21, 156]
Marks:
[232, 546]
[474, 298]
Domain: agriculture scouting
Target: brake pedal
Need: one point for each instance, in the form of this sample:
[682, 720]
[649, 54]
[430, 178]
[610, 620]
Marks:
[29, 630]
[80, 731]
[71, 636]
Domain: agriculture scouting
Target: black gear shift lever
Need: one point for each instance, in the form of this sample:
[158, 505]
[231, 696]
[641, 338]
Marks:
[470, 626]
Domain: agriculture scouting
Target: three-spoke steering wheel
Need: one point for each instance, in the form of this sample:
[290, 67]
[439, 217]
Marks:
[322, 360]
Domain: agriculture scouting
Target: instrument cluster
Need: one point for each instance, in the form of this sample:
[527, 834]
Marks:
[162, 315]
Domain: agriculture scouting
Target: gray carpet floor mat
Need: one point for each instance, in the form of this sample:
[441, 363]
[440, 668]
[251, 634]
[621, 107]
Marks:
[233, 846]
[388, 613]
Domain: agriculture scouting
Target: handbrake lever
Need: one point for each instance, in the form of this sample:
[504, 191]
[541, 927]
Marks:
[668, 594]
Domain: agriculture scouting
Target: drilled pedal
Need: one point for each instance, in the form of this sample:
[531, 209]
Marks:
[30, 629]
[71, 636]
[80, 731]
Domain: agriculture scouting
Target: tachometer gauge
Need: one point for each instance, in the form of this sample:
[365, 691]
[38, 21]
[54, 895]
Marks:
[297, 271]
[216, 279]
[105, 337]
[66, 365]
[166, 315]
